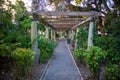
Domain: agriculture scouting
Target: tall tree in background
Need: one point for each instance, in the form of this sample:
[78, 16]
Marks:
[20, 11]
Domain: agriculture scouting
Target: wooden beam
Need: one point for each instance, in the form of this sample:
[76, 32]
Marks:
[60, 27]
[88, 19]
[61, 13]
[57, 21]
[64, 19]
[63, 23]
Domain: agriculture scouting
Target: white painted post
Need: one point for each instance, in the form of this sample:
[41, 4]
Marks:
[90, 35]
[77, 30]
[51, 34]
[72, 34]
[47, 32]
[54, 33]
[34, 34]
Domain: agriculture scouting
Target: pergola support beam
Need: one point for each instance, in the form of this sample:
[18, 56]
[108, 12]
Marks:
[34, 35]
[90, 35]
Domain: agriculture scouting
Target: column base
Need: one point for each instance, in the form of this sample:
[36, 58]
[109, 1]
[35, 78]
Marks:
[36, 56]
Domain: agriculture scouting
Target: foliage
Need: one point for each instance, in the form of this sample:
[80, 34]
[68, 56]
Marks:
[6, 50]
[105, 42]
[82, 38]
[26, 23]
[109, 18]
[112, 72]
[41, 27]
[24, 60]
[14, 35]
[79, 53]
[94, 57]
[113, 56]
[115, 26]
[46, 49]
[20, 11]
[78, 1]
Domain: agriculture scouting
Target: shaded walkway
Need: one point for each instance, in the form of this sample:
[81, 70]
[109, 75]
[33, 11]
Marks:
[62, 66]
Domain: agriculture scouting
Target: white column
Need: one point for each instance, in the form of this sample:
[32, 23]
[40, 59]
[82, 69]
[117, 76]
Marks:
[72, 34]
[77, 30]
[34, 34]
[51, 34]
[90, 35]
[47, 32]
[54, 32]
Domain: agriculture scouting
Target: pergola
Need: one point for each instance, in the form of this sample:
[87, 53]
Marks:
[61, 21]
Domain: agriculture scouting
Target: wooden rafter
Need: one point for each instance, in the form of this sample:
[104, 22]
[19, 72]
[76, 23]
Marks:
[88, 19]
[63, 23]
[62, 13]
[61, 20]
[64, 19]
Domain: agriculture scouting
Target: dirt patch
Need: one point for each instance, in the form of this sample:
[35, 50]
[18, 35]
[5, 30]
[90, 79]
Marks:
[37, 71]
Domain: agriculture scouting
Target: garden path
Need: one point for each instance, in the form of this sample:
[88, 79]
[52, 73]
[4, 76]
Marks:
[61, 65]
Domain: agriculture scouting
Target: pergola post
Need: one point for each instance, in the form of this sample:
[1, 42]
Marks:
[90, 34]
[76, 41]
[72, 34]
[54, 33]
[47, 32]
[34, 35]
[51, 34]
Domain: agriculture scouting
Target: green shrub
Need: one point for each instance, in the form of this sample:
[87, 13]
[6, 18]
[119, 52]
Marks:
[112, 72]
[6, 49]
[79, 53]
[46, 49]
[24, 60]
[105, 42]
[113, 56]
[94, 57]
[82, 37]
[18, 37]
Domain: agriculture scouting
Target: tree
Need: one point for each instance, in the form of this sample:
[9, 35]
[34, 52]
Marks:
[20, 11]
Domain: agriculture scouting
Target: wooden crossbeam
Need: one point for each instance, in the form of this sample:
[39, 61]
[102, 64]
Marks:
[62, 27]
[63, 23]
[57, 21]
[64, 19]
[88, 19]
[62, 13]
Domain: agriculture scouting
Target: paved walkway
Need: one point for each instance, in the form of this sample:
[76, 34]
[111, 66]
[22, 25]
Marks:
[62, 66]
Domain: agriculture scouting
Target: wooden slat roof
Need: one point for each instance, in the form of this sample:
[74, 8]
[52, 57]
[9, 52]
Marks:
[60, 20]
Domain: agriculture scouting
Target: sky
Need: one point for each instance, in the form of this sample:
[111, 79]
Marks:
[27, 4]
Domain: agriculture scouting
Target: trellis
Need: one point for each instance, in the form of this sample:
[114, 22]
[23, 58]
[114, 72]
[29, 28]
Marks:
[62, 21]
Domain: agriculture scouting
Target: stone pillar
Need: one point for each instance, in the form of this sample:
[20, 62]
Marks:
[51, 34]
[34, 35]
[47, 32]
[90, 34]
[69, 33]
[72, 34]
[77, 30]
[54, 33]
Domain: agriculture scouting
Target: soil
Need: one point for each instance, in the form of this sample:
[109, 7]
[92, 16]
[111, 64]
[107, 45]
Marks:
[37, 71]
